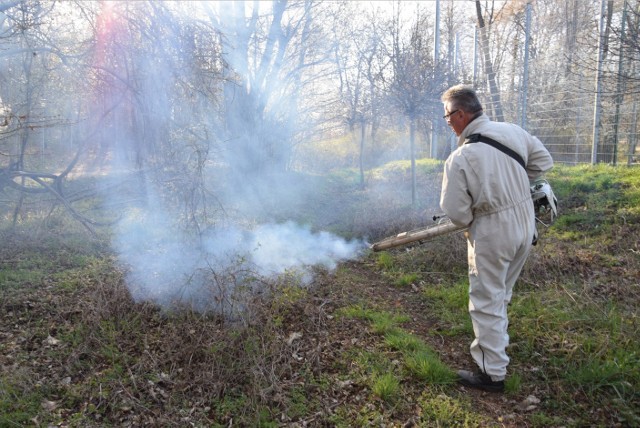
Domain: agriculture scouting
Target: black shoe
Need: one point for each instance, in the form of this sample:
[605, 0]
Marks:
[480, 380]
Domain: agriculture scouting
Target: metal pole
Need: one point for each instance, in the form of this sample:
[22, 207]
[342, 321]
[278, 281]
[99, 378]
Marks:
[436, 44]
[576, 153]
[475, 56]
[619, 95]
[452, 140]
[596, 108]
[525, 77]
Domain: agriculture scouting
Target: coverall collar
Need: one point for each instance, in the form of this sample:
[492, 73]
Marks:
[472, 127]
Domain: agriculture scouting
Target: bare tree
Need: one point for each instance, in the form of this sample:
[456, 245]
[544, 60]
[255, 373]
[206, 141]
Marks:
[630, 47]
[415, 84]
[37, 103]
[357, 48]
[264, 58]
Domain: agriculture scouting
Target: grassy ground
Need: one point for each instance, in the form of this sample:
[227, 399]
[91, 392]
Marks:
[372, 344]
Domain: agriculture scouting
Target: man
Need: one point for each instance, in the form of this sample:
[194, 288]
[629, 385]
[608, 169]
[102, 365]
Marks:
[485, 188]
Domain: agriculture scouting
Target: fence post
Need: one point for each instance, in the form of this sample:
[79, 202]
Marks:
[475, 56]
[596, 108]
[632, 137]
[619, 95]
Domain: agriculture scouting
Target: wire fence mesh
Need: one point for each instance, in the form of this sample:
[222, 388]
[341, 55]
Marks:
[566, 124]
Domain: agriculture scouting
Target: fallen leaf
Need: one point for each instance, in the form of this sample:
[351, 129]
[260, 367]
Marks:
[530, 403]
[52, 341]
[293, 336]
[345, 383]
[49, 406]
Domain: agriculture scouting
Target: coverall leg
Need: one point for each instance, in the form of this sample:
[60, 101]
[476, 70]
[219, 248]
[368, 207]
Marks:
[498, 247]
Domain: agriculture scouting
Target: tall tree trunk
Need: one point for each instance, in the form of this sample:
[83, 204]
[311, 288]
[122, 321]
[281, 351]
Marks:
[571, 18]
[260, 141]
[607, 150]
[488, 66]
[607, 28]
[412, 138]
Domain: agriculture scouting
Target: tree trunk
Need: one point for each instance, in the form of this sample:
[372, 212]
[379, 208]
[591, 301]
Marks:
[412, 138]
[488, 66]
[571, 18]
[363, 127]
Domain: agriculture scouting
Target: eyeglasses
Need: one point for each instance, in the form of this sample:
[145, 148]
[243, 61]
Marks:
[446, 116]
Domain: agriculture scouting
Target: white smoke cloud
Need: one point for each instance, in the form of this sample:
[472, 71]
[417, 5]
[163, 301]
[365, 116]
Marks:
[168, 267]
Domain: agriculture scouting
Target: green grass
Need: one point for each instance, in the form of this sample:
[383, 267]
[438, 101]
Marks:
[29, 263]
[403, 341]
[440, 410]
[513, 384]
[381, 321]
[419, 359]
[426, 366]
[399, 169]
[618, 371]
[609, 195]
[385, 260]
[450, 302]
[407, 279]
[388, 264]
[19, 400]
[386, 386]
[578, 329]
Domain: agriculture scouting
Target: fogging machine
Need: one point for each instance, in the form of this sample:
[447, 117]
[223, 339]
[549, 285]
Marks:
[544, 201]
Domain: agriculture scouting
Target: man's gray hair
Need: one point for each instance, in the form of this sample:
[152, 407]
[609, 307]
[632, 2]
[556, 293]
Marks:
[462, 97]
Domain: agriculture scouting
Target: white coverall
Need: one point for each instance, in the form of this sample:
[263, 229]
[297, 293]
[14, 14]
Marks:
[487, 190]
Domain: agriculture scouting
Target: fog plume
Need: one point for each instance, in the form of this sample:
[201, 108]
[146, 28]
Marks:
[169, 266]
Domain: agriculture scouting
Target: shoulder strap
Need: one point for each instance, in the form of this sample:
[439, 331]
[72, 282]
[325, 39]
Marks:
[475, 138]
